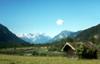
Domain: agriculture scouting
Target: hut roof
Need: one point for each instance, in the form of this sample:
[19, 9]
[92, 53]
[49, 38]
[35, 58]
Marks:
[69, 46]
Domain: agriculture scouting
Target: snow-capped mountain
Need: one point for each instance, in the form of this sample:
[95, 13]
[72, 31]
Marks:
[35, 38]
[62, 34]
[65, 34]
[43, 38]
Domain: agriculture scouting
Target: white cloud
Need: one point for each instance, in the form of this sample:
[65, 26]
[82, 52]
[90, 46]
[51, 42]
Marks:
[60, 22]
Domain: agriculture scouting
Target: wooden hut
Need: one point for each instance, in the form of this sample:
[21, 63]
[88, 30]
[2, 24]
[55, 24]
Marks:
[69, 49]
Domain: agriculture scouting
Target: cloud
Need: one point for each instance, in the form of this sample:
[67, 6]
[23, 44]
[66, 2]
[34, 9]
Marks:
[60, 22]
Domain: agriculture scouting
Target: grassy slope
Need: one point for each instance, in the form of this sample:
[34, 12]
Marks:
[10, 59]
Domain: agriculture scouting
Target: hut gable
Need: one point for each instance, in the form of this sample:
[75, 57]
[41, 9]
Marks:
[69, 49]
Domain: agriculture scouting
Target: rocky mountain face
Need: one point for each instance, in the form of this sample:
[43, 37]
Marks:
[9, 39]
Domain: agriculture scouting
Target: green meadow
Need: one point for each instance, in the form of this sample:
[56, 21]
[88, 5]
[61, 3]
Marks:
[14, 59]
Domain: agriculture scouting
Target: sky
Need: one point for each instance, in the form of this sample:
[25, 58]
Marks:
[49, 16]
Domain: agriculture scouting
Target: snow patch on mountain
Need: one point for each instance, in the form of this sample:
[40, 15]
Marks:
[35, 38]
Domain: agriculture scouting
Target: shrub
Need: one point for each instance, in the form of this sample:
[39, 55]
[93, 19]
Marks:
[35, 53]
[86, 52]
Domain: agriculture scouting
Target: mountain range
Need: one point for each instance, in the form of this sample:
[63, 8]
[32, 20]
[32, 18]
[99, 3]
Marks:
[43, 38]
[83, 35]
[35, 38]
[9, 39]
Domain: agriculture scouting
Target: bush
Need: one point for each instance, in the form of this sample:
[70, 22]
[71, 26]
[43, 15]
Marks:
[35, 53]
[85, 52]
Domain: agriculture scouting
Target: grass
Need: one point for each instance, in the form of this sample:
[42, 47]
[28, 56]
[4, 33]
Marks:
[10, 59]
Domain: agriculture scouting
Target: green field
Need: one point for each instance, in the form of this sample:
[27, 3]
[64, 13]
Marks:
[10, 59]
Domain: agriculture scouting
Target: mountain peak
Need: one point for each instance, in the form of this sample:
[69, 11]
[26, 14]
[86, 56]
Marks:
[35, 38]
[63, 34]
